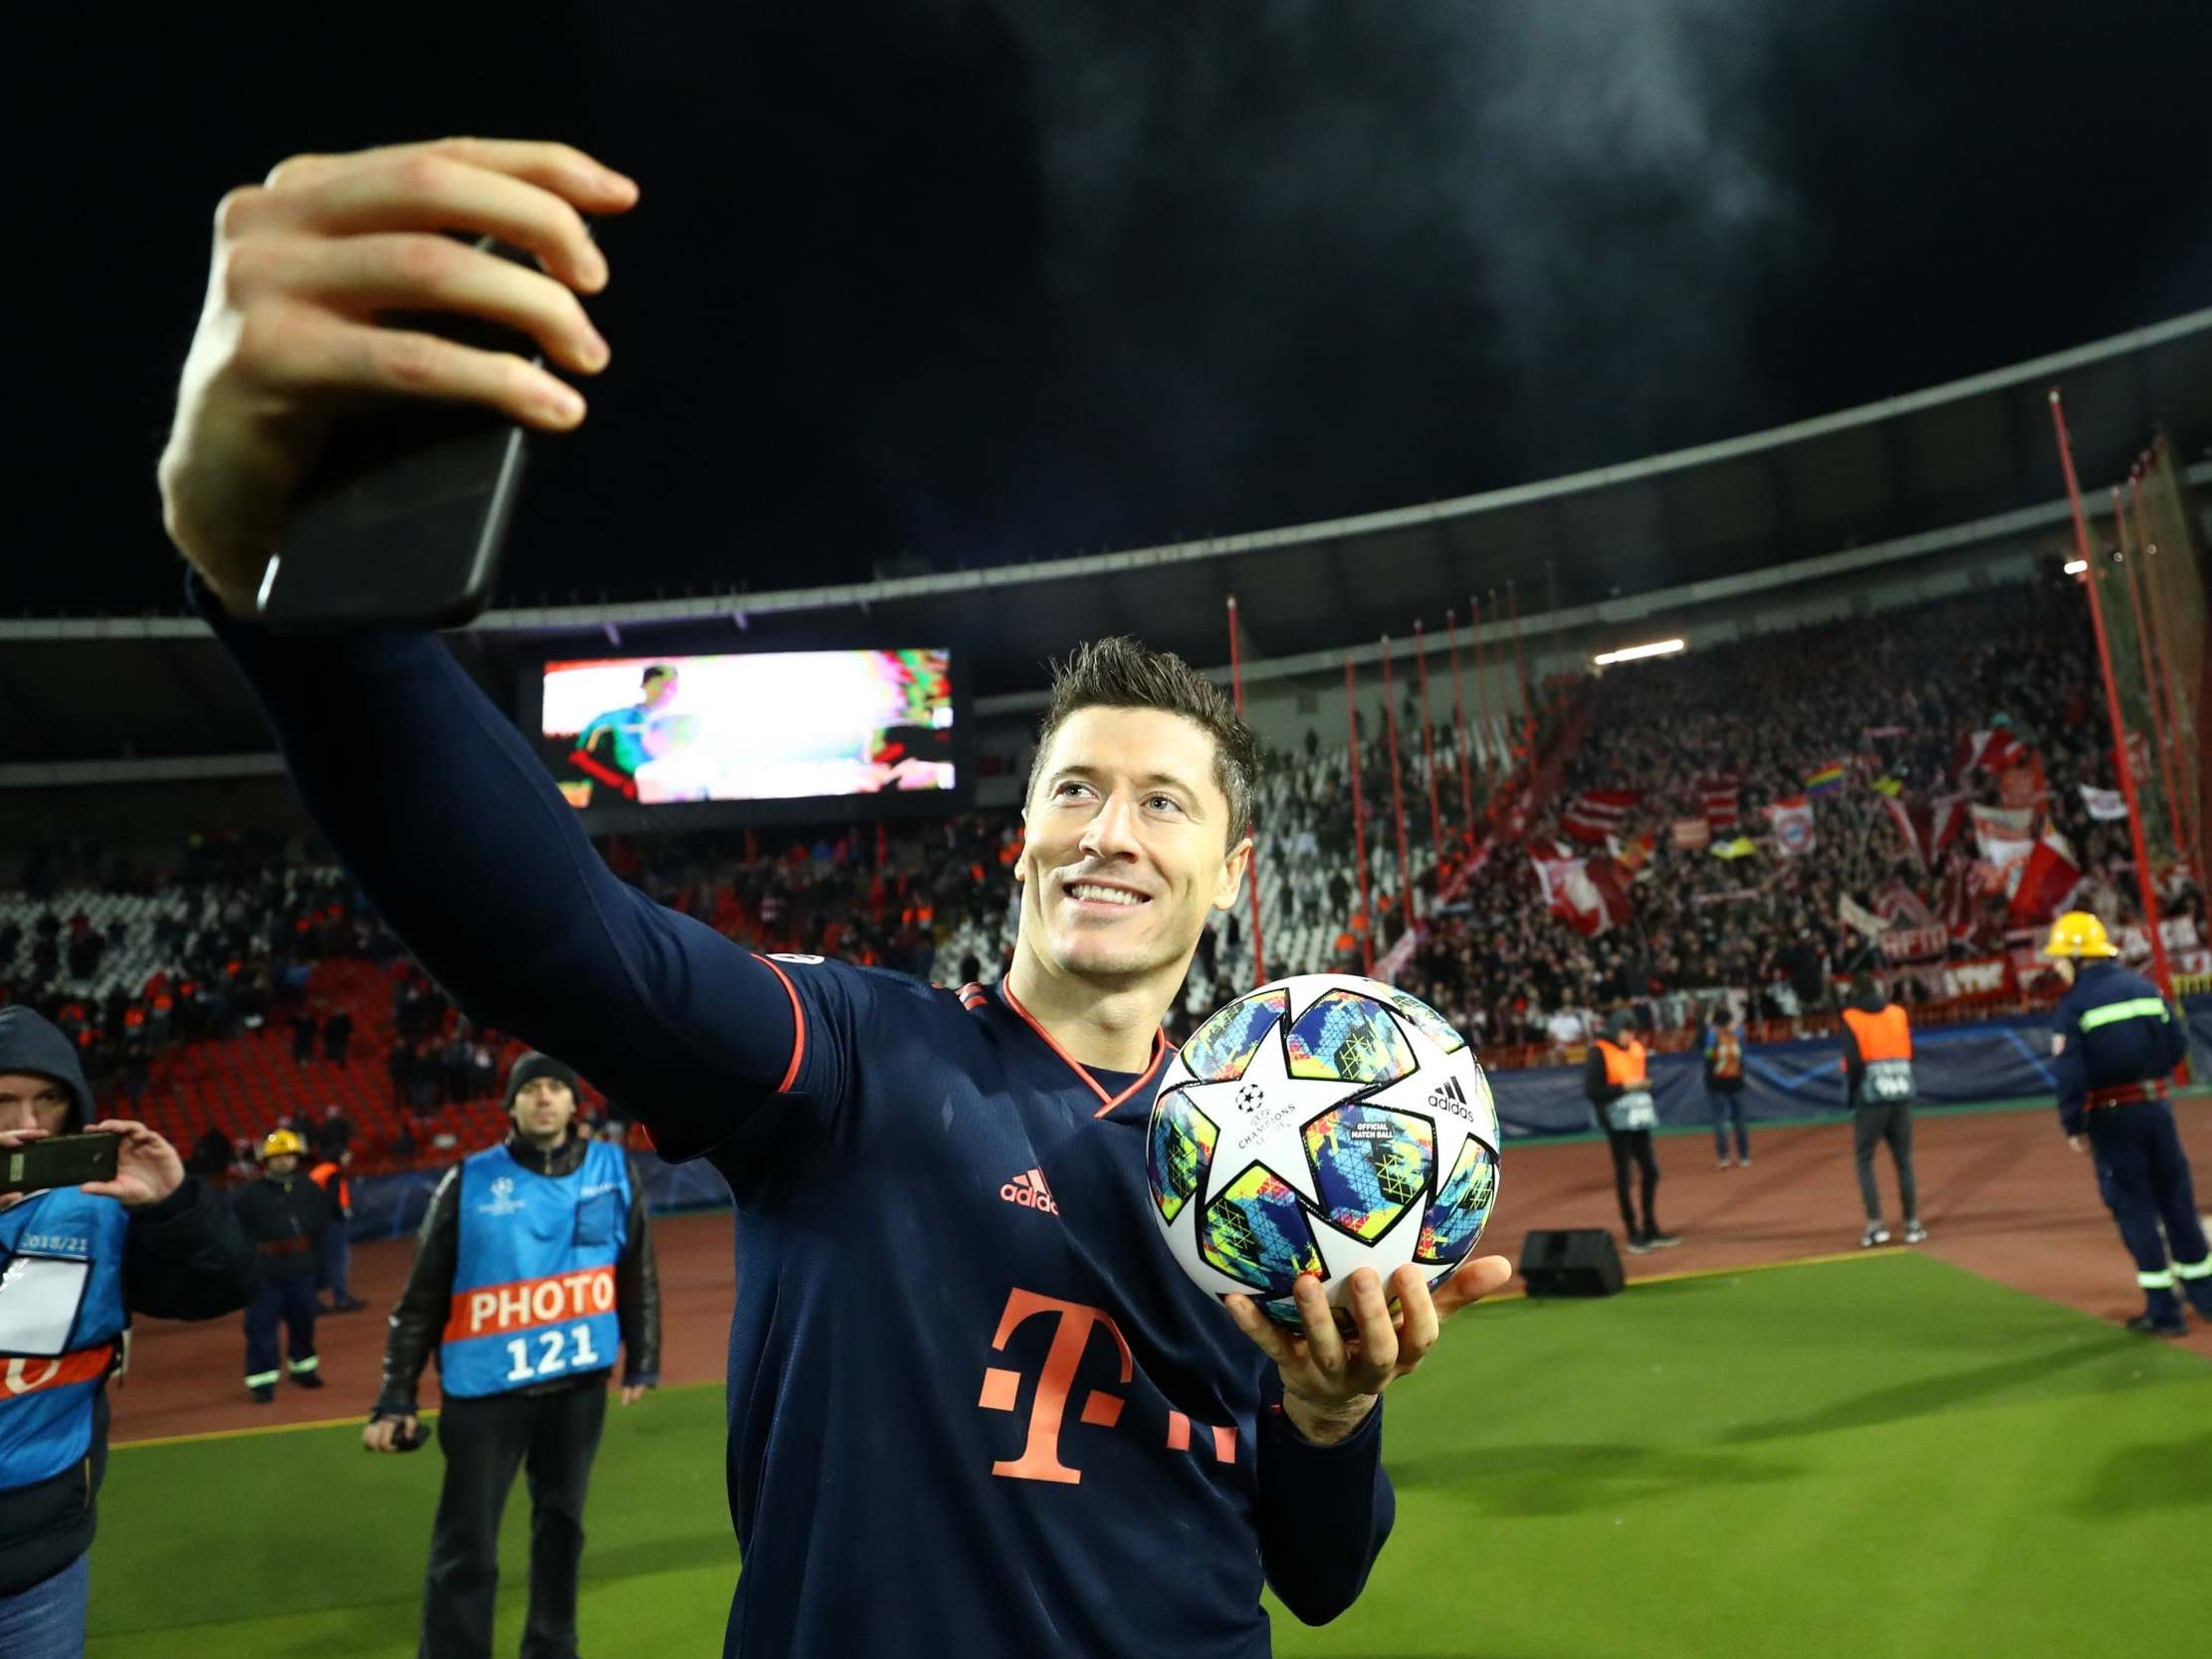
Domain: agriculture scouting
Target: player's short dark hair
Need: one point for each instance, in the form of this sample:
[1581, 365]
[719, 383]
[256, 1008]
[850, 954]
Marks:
[659, 670]
[1122, 673]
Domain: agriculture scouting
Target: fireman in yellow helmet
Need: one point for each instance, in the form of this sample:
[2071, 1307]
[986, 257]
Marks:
[284, 1214]
[2115, 1044]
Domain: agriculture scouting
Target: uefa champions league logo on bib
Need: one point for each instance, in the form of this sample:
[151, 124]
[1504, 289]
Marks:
[503, 1201]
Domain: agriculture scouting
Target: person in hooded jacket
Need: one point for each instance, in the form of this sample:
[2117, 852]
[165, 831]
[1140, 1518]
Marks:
[75, 1264]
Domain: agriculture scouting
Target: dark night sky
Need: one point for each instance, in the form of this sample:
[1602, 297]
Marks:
[973, 282]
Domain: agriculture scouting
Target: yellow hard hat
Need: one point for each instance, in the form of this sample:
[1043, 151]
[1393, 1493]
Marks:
[279, 1141]
[2078, 933]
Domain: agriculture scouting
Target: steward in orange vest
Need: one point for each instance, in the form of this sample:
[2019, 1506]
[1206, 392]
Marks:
[1617, 1078]
[1724, 1087]
[1877, 1059]
[333, 1253]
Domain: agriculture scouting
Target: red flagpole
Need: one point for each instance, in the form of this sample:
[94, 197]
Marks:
[1252, 868]
[2147, 882]
[2181, 810]
[2130, 558]
[1459, 734]
[1428, 746]
[1482, 686]
[1520, 668]
[1396, 791]
[1359, 824]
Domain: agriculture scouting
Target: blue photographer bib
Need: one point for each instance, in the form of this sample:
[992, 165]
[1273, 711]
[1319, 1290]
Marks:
[534, 1282]
[61, 1313]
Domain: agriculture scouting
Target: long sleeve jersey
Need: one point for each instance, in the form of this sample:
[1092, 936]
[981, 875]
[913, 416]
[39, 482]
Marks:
[975, 1407]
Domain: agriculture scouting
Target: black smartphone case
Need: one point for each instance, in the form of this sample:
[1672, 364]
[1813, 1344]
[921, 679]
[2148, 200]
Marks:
[65, 1160]
[404, 520]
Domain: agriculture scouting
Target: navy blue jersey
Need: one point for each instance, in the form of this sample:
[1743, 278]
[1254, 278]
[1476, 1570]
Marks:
[975, 1407]
[2111, 1028]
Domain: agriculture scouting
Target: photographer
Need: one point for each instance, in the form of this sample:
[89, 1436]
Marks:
[154, 1240]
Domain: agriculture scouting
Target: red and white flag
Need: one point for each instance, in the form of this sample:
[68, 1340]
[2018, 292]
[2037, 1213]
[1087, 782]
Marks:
[1926, 827]
[1961, 894]
[2048, 877]
[1597, 814]
[1721, 805]
[1588, 894]
[1792, 822]
[1692, 834]
[1990, 749]
[2005, 836]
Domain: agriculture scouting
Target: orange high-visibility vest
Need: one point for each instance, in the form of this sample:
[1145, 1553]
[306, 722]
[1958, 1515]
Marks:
[321, 1175]
[1883, 1036]
[1727, 1055]
[1625, 1067]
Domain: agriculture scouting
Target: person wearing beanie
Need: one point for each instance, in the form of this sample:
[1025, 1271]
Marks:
[1877, 1062]
[1616, 1080]
[152, 1241]
[531, 1264]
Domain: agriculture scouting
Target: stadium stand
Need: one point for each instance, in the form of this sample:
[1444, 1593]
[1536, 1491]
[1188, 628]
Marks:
[199, 996]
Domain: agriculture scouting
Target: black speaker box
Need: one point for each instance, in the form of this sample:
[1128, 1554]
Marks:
[1571, 1262]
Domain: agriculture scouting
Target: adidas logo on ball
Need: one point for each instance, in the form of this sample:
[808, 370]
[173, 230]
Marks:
[1451, 1097]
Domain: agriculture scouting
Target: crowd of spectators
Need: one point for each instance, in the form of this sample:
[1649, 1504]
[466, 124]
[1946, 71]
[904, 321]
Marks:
[1891, 695]
[234, 929]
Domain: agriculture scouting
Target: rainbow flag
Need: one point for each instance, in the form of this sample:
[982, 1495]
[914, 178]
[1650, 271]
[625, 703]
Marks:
[1827, 781]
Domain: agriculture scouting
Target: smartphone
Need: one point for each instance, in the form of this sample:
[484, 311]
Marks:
[402, 524]
[60, 1160]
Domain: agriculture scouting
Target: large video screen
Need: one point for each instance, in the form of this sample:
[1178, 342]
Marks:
[774, 726]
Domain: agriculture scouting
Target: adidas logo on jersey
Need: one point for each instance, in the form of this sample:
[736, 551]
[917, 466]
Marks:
[1030, 1191]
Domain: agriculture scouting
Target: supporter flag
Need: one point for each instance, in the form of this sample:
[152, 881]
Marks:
[1960, 893]
[1991, 750]
[1721, 805]
[2005, 836]
[1792, 822]
[1828, 779]
[2105, 805]
[1610, 879]
[2048, 877]
[1925, 827]
[2021, 784]
[1900, 906]
[1741, 847]
[1891, 786]
[1693, 833]
[1588, 894]
[1857, 916]
[1634, 856]
[1594, 815]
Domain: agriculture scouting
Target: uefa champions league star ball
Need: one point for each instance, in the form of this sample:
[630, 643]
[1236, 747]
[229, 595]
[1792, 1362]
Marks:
[1321, 1125]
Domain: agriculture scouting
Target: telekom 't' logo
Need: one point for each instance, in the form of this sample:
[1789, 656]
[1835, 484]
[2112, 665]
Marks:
[1041, 1451]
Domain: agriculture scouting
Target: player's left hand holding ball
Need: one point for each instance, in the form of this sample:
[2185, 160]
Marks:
[1330, 1382]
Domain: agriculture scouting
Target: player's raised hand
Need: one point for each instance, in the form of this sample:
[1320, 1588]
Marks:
[1331, 1380]
[305, 262]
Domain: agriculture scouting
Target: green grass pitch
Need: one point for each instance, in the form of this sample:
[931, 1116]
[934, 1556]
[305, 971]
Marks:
[1875, 1458]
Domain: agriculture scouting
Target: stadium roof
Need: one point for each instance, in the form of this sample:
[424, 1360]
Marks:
[1952, 464]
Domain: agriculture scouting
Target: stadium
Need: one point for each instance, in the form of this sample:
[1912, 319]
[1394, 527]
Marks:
[1692, 744]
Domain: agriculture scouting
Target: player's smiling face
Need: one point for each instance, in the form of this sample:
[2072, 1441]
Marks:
[1126, 845]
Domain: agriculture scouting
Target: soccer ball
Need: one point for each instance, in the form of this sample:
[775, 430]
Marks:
[1321, 1125]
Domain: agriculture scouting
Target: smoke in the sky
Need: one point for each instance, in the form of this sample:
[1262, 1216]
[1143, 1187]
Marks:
[1528, 197]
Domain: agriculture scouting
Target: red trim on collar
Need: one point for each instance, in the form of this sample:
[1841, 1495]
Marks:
[1159, 1052]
